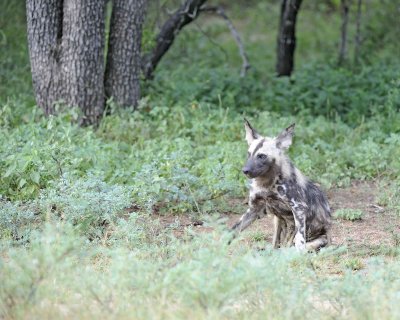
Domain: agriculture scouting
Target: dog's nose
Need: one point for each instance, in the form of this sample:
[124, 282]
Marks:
[245, 171]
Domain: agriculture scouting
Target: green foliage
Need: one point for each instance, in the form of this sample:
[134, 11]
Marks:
[62, 274]
[79, 207]
[315, 89]
[89, 204]
[349, 214]
[16, 222]
[354, 264]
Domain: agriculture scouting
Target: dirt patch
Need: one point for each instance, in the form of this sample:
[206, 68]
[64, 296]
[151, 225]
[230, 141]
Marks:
[377, 226]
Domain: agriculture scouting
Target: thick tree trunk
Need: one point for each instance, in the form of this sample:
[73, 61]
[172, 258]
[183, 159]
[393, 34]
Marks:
[82, 57]
[188, 12]
[44, 21]
[343, 33]
[124, 52]
[66, 47]
[287, 37]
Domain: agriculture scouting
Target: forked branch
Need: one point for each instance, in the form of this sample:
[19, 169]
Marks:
[188, 12]
[220, 11]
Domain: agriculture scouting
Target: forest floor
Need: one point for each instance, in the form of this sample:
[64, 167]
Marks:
[377, 228]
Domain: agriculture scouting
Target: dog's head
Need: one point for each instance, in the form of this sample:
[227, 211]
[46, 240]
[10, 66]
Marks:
[264, 152]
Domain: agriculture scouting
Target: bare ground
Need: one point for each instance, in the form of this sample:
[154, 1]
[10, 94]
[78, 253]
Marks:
[377, 226]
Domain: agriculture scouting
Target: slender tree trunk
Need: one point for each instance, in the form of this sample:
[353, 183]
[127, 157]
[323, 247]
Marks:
[357, 42]
[343, 33]
[188, 12]
[124, 52]
[287, 37]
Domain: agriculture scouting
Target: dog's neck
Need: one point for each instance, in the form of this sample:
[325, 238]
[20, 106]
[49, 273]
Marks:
[278, 172]
[268, 179]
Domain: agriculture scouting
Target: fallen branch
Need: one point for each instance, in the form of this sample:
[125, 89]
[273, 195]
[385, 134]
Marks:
[219, 11]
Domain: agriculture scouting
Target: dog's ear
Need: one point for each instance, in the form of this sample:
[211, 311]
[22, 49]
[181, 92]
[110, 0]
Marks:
[251, 134]
[284, 140]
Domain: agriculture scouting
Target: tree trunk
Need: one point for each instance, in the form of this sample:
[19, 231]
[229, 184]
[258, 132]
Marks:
[82, 56]
[66, 46]
[343, 35]
[124, 52]
[188, 12]
[287, 37]
[357, 42]
[44, 21]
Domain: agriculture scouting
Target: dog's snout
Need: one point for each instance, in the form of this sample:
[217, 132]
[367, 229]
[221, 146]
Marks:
[246, 171]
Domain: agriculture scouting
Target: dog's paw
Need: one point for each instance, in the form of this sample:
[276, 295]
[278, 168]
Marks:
[300, 242]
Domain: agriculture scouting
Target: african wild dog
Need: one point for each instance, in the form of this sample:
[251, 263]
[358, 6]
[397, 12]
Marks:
[300, 209]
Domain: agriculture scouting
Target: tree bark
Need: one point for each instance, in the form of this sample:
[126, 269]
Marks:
[124, 52]
[44, 22]
[82, 57]
[343, 34]
[188, 12]
[66, 47]
[287, 37]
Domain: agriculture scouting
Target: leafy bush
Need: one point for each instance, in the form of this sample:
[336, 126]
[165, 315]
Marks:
[349, 214]
[90, 205]
[16, 222]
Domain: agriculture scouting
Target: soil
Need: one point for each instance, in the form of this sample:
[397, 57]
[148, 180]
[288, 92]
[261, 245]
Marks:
[377, 226]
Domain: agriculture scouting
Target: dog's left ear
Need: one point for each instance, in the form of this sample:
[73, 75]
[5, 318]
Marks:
[284, 140]
[251, 134]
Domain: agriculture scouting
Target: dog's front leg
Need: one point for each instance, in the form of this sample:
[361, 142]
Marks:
[246, 219]
[299, 215]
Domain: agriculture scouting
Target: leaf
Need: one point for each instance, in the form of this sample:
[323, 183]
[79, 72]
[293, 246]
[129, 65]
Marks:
[35, 177]
[21, 183]
[10, 170]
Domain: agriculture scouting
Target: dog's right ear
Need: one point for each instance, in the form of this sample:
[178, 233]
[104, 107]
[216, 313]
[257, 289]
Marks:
[251, 134]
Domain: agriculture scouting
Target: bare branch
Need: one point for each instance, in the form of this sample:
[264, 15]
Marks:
[188, 12]
[220, 11]
[212, 41]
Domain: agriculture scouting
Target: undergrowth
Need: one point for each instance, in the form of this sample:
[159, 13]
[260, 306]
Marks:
[349, 214]
[61, 275]
[80, 234]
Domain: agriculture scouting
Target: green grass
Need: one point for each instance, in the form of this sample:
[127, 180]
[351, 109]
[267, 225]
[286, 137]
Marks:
[349, 214]
[79, 207]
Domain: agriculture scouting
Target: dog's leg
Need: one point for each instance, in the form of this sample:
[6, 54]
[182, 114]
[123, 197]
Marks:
[246, 219]
[279, 232]
[256, 210]
[318, 243]
[290, 233]
[299, 214]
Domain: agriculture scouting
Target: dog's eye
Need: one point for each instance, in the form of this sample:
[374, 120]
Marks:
[261, 156]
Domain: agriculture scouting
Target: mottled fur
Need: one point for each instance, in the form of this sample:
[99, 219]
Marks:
[300, 209]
